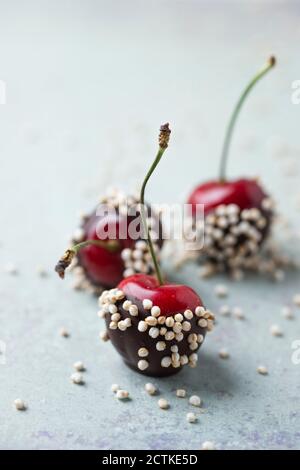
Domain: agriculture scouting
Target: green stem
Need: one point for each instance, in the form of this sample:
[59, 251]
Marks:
[231, 125]
[109, 245]
[143, 215]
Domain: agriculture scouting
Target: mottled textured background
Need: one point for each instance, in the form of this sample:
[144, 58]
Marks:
[87, 84]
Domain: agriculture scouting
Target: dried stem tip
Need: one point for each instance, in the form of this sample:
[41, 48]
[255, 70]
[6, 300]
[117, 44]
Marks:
[164, 136]
[64, 262]
[272, 61]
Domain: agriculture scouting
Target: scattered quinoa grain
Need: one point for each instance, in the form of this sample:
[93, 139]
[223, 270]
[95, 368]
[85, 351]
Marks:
[163, 403]
[286, 312]
[11, 268]
[79, 366]
[238, 313]
[101, 313]
[208, 445]
[296, 300]
[122, 394]
[150, 388]
[275, 330]
[221, 290]
[191, 418]
[195, 400]
[262, 370]
[223, 353]
[114, 388]
[224, 310]
[19, 404]
[64, 332]
[77, 378]
[180, 393]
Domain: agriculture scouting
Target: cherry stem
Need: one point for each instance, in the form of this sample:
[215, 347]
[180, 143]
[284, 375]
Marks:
[109, 245]
[163, 144]
[67, 258]
[228, 136]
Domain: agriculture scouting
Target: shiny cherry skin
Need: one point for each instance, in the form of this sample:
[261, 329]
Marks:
[104, 268]
[171, 298]
[245, 193]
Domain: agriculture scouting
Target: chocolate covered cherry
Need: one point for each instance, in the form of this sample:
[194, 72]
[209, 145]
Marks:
[99, 266]
[237, 213]
[157, 328]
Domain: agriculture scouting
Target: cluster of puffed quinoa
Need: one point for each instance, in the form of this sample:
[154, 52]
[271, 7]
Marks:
[233, 235]
[138, 259]
[232, 242]
[173, 336]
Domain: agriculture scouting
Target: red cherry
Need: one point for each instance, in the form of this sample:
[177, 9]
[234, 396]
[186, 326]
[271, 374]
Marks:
[160, 350]
[245, 193]
[104, 268]
[111, 246]
[149, 342]
[171, 298]
[237, 219]
[232, 239]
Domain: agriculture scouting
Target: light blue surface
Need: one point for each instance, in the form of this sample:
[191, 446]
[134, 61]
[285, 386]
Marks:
[88, 84]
